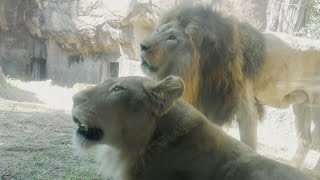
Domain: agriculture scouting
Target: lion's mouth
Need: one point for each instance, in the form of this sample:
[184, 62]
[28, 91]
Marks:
[90, 133]
[147, 67]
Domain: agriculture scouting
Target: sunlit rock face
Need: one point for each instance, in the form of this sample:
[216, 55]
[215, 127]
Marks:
[72, 41]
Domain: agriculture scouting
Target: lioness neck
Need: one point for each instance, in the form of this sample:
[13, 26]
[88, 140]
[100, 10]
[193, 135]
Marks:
[184, 119]
[188, 130]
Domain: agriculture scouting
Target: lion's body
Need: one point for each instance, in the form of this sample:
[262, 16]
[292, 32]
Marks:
[291, 64]
[157, 136]
[230, 68]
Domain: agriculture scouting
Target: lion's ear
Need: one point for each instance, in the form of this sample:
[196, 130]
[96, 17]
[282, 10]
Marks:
[165, 93]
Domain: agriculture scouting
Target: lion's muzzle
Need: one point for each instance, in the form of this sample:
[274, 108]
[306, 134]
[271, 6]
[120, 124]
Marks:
[90, 133]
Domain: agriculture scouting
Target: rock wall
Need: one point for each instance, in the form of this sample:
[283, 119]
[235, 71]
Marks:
[72, 41]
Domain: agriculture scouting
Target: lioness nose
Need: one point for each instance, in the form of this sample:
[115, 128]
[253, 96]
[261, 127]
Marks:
[144, 47]
[79, 98]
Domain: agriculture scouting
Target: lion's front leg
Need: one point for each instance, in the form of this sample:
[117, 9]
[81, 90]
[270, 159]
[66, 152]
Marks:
[247, 117]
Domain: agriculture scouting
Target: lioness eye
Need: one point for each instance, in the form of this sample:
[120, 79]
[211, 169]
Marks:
[171, 37]
[117, 88]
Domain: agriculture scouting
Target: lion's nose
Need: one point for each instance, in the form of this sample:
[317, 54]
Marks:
[79, 98]
[144, 47]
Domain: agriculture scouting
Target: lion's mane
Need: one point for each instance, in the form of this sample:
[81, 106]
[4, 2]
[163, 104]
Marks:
[227, 54]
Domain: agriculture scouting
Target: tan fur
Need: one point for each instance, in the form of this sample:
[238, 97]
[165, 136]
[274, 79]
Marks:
[291, 63]
[192, 78]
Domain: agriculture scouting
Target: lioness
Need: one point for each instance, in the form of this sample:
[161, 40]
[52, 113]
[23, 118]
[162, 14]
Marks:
[229, 67]
[161, 137]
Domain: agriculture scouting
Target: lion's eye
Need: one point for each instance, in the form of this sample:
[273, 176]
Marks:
[171, 37]
[117, 89]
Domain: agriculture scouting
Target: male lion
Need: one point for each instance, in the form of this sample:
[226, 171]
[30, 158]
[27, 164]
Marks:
[228, 67]
[160, 137]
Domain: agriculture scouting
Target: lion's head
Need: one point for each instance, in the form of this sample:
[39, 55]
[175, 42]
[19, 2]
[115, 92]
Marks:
[165, 49]
[174, 49]
[122, 112]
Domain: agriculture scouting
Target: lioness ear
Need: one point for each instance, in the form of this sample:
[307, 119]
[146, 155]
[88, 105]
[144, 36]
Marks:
[165, 93]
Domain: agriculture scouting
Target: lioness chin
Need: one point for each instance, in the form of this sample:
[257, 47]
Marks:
[158, 136]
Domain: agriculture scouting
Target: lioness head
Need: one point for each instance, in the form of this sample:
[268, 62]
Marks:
[122, 112]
